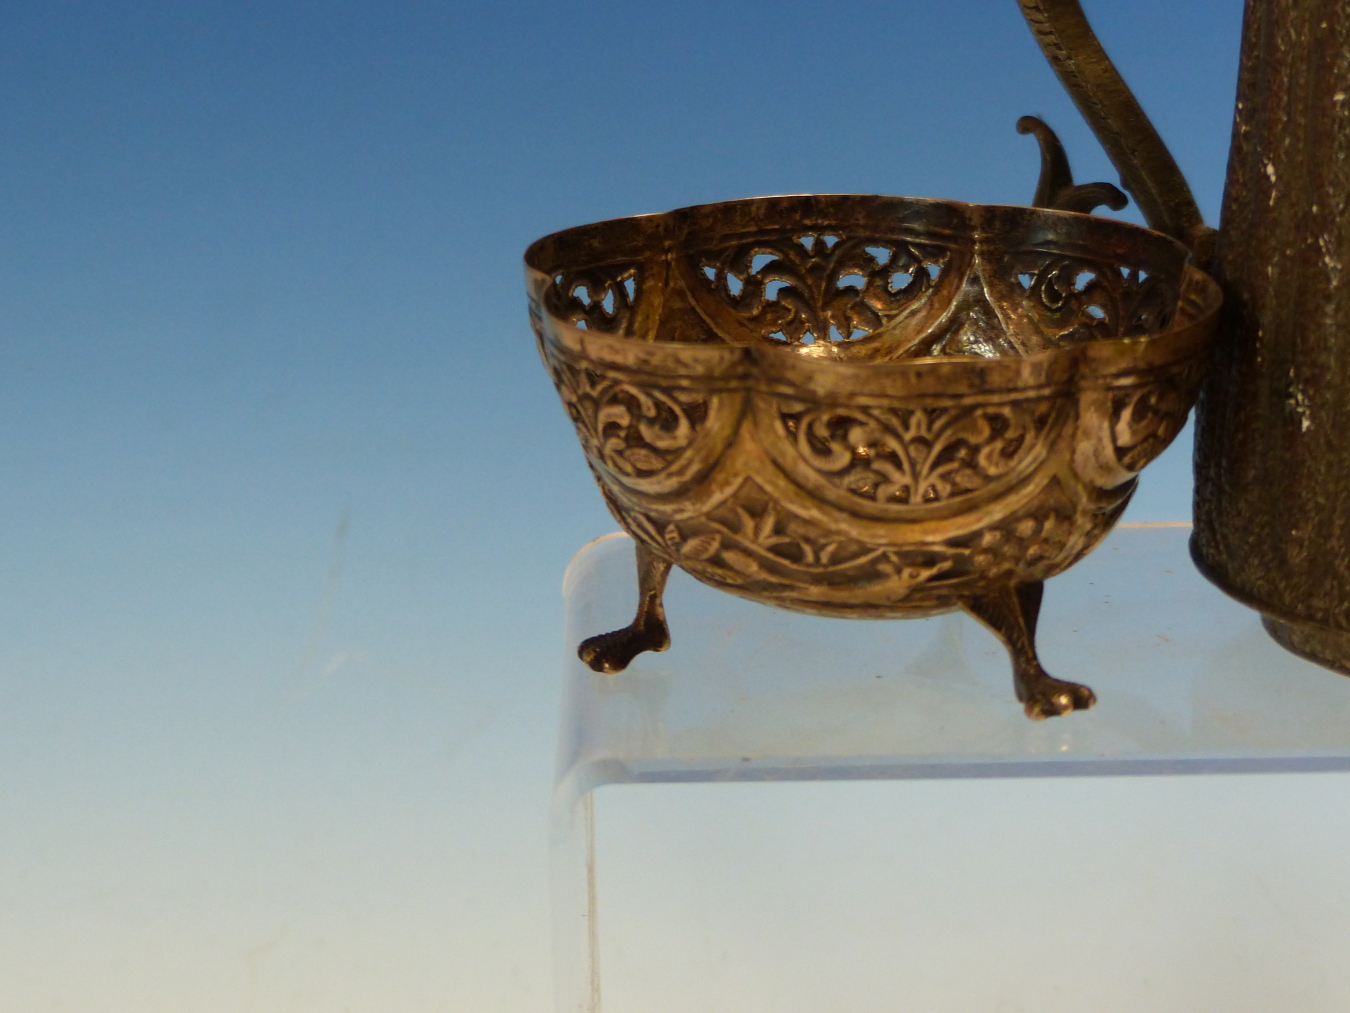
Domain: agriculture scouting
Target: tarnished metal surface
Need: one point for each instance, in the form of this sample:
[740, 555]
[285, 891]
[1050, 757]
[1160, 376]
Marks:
[869, 407]
[1147, 169]
[1272, 519]
[1272, 462]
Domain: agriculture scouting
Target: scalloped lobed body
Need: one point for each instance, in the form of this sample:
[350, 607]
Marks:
[865, 406]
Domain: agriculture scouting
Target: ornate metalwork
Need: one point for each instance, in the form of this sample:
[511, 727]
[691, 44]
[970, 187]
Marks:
[1271, 468]
[871, 407]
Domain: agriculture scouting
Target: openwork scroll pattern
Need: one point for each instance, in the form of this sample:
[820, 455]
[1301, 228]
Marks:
[596, 298]
[816, 288]
[1080, 300]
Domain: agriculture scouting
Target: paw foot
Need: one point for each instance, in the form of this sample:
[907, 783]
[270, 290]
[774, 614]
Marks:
[1044, 697]
[612, 652]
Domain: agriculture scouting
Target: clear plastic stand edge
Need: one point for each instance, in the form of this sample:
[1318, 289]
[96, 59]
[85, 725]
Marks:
[1186, 679]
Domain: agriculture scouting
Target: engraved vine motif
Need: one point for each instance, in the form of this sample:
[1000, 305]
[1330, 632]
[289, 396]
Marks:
[1020, 544]
[758, 547]
[596, 298]
[916, 456]
[823, 486]
[634, 430]
[750, 541]
[1081, 300]
[1145, 418]
[817, 288]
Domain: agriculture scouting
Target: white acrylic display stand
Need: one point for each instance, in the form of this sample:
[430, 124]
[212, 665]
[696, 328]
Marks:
[749, 693]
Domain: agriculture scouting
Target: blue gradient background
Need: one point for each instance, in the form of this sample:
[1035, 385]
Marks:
[287, 494]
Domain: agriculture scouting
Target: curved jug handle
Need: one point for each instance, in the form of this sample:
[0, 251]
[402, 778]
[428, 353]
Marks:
[1147, 169]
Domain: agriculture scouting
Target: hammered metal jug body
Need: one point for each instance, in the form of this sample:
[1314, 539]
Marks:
[1272, 464]
[1272, 506]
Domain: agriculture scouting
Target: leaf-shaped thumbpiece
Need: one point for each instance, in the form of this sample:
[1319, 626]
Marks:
[1055, 189]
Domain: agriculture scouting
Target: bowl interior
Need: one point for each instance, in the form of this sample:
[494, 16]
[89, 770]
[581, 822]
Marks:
[863, 278]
